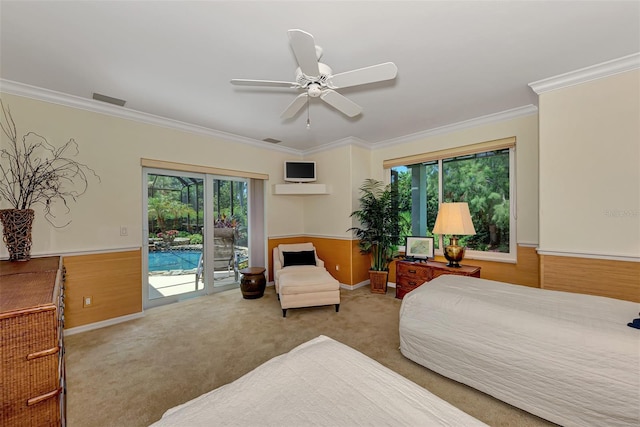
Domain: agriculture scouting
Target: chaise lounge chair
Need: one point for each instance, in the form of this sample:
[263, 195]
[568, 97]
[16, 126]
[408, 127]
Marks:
[301, 279]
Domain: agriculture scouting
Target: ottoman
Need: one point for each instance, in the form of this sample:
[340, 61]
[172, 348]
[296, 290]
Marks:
[307, 287]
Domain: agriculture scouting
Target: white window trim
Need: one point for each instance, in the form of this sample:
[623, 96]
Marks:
[510, 257]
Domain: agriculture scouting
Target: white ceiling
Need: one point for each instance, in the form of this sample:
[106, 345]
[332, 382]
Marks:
[457, 60]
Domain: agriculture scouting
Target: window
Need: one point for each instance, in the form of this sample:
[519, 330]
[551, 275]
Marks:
[483, 179]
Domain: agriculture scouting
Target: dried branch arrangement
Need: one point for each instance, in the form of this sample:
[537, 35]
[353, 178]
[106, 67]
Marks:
[33, 171]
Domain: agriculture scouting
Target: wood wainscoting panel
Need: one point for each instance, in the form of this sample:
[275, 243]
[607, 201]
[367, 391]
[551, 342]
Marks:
[113, 280]
[608, 278]
[334, 254]
[361, 264]
[524, 272]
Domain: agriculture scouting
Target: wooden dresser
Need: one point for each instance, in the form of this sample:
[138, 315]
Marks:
[410, 275]
[31, 343]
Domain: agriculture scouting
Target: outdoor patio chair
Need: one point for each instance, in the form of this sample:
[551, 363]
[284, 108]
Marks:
[225, 254]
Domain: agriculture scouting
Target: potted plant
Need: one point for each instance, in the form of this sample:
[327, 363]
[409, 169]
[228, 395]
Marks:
[378, 218]
[33, 171]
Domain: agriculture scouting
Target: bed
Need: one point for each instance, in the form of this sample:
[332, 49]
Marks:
[566, 357]
[319, 383]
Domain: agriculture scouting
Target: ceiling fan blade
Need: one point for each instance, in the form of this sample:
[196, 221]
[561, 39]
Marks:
[245, 82]
[295, 106]
[361, 76]
[341, 103]
[304, 48]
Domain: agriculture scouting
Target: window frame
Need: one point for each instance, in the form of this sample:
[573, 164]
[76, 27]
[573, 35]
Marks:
[439, 156]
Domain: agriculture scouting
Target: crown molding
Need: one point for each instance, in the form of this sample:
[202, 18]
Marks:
[513, 113]
[54, 97]
[594, 72]
[348, 141]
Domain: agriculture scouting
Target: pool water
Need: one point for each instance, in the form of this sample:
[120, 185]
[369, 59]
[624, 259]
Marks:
[173, 260]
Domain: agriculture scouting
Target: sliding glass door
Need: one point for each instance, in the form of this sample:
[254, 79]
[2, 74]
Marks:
[230, 233]
[196, 234]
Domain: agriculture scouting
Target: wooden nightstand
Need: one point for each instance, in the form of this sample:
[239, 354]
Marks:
[410, 275]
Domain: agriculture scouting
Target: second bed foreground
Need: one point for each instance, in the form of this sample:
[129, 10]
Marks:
[319, 383]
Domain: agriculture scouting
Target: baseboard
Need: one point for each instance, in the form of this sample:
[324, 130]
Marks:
[102, 324]
[354, 287]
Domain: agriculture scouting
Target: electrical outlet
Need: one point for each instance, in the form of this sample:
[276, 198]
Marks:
[123, 230]
[87, 301]
[337, 267]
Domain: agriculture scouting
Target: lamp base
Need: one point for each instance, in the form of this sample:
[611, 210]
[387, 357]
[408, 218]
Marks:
[454, 253]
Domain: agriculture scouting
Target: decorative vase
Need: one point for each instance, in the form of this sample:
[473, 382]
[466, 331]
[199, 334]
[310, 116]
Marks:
[16, 232]
[378, 281]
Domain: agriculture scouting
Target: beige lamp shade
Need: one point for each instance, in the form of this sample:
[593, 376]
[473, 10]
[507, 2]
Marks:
[454, 218]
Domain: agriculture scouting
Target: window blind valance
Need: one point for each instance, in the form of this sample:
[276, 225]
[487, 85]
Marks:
[184, 167]
[496, 144]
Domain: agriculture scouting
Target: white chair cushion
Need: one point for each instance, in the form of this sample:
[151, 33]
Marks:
[307, 281]
[297, 268]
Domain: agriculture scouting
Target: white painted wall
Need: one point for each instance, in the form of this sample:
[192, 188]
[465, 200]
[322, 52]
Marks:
[328, 215]
[113, 147]
[590, 168]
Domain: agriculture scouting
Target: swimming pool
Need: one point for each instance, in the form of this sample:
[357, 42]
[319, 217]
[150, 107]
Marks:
[173, 260]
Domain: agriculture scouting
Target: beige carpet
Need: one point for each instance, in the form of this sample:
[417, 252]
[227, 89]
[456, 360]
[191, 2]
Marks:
[129, 374]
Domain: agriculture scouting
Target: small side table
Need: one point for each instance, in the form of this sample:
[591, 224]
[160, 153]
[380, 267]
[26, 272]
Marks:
[253, 282]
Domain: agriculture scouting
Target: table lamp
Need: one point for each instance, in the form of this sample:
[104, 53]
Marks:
[454, 219]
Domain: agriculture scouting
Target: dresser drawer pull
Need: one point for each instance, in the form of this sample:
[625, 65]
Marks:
[43, 353]
[413, 283]
[43, 397]
[412, 271]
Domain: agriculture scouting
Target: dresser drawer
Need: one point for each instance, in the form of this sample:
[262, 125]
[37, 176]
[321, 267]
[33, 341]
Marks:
[405, 285]
[410, 275]
[413, 272]
[32, 343]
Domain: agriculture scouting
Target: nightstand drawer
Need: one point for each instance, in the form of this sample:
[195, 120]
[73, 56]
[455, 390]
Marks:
[411, 275]
[413, 271]
[404, 285]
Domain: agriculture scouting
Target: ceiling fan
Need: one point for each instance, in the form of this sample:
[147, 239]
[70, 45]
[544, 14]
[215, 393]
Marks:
[317, 79]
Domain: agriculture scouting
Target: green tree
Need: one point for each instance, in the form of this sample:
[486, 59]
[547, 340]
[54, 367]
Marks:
[481, 180]
[163, 208]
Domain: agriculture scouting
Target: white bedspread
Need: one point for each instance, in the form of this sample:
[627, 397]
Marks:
[319, 383]
[566, 357]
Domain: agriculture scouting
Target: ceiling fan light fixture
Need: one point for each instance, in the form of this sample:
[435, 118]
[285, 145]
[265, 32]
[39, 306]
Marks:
[314, 90]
